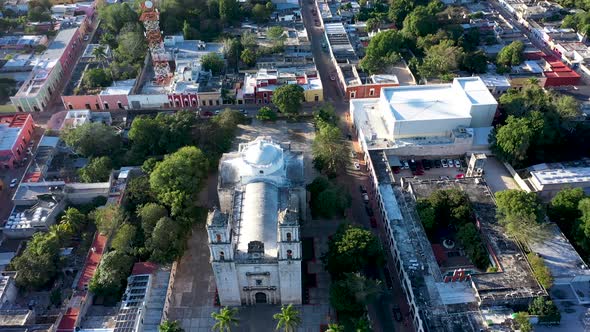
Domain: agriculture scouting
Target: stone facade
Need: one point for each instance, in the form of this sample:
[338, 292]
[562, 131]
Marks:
[254, 236]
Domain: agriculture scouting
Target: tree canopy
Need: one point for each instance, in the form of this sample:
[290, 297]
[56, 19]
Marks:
[441, 59]
[522, 214]
[108, 218]
[97, 170]
[266, 114]
[92, 139]
[328, 200]
[288, 98]
[383, 50]
[563, 209]
[177, 179]
[352, 249]
[213, 61]
[511, 55]
[110, 277]
[330, 152]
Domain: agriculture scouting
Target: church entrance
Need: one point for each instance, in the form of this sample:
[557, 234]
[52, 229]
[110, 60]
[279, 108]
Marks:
[260, 297]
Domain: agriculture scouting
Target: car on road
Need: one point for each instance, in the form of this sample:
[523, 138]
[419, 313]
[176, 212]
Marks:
[86, 38]
[397, 314]
[459, 176]
[217, 112]
[13, 183]
[365, 197]
[373, 222]
[369, 211]
[457, 163]
[444, 163]
[357, 166]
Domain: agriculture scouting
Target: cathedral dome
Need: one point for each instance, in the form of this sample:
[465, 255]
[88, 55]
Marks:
[262, 154]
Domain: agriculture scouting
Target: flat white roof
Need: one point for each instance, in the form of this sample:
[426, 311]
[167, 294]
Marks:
[562, 175]
[426, 102]
[476, 90]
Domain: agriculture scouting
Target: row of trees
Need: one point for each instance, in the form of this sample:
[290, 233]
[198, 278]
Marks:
[328, 200]
[330, 151]
[451, 209]
[352, 251]
[543, 308]
[540, 126]
[288, 319]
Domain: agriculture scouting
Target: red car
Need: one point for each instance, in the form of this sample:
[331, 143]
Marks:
[207, 113]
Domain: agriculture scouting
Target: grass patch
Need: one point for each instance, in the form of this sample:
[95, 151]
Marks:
[8, 108]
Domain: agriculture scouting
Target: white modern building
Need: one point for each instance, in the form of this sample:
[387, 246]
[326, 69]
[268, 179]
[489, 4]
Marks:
[254, 237]
[548, 179]
[436, 119]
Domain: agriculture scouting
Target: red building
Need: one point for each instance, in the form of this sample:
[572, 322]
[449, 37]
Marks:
[559, 73]
[15, 135]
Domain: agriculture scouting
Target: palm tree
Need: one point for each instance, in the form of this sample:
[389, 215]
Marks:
[225, 319]
[335, 328]
[170, 326]
[288, 319]
[100, 54]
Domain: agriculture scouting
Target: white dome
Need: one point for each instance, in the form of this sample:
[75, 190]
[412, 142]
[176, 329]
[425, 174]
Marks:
[262, 153]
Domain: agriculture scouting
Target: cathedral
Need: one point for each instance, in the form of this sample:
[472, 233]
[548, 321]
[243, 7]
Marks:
[254, 238]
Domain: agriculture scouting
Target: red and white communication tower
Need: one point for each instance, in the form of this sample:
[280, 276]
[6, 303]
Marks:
[160, 58]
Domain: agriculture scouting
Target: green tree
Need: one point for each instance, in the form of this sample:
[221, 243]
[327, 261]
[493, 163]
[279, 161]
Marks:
[228, 10]
[399, 10]
[260, 13]
[248, 57]
[288, 98]
[469, 238]
[352, 249]
[275, 33]
[522, 321]
[249, 40]
[522, 214]
[225, 319]
[427, 214]
[343, 301]
[511, 142]
[329, 151]
[475, 62]
[115, 16]
[567, 107]
[92, 139]
[383, 50]
[137, 193]
[167, 241]
[39, 262]
[332, 202]
[420, 22]
[325, 115]
[97, 170]
[511, 55]
[266, 114]
[108, 218]
[362, 324]
[75, 218]
[145, 133]
[288, 319]
[96, 77]
[545, 309]
[111, 274]
[213, 62]
[441, 59]
[335, 328]
[170, 326]
[582, 233]
[177, 179]
[124, 238]
[150, 214]
[563, 208]
[540, 270]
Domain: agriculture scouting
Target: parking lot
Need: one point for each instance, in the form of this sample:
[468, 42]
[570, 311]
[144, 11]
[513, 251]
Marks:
[431, 168]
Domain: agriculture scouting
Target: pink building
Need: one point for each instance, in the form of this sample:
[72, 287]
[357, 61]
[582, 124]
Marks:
[110, 98]
[15, 134]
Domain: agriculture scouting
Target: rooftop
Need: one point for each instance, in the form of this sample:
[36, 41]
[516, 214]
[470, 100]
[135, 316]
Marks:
[119, 88]
[94, 255]
[10, 128]
[561, 173]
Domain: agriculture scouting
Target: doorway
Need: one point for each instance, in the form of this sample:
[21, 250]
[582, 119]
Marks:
[260, 297]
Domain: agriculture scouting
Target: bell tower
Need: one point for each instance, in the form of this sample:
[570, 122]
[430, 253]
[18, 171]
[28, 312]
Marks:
[289, 257]
[222, 258]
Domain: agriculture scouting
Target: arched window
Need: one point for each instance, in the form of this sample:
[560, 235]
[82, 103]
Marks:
[218, 237]
[221, 256]
[289, 254]
[289, 237]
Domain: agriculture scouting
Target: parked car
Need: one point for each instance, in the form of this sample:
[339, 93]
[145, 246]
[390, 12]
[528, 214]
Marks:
[86, 37]
[412, 165]
[437, 163]
[459, 176]
[357, 166]
[457, 163]
[13, 183]
[396, 169]
[207, 113]
[405, 164]
[365, 197]
[397, 314]
[369, 211]
[217, 112]
[373, 222]
[444, 163]
[427, 164]
[245, 112]
[450, 162]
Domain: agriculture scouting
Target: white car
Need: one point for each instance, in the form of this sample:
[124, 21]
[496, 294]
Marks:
[13, 183]
[357, 166]
[444, 163]
[457, 163]
[86, 37]
[405, 164]
[217, 112]
[365, 197]
[450, 162]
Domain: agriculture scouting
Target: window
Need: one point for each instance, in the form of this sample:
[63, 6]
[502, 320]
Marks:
[316, 98]
[372, 92]
[218, 237]
[217, 102]
[72, 107]
[289, 254]
[265, 95]
[106, 106]
[261, 172]
[289, 237]
[221, 256]
[204, 103]
[210, 102]
[20, 109]
[353, 94]
[120, 105]
[258, 282]
[97, 106]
